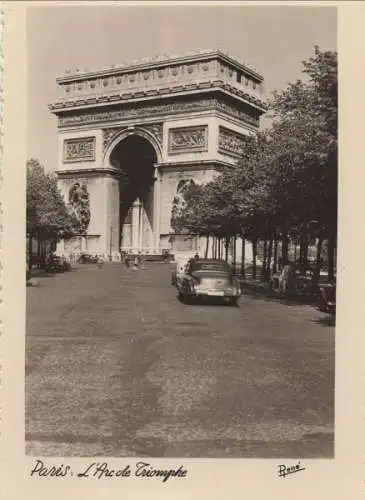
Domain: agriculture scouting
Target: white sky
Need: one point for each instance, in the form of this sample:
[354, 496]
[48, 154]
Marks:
[274, 40]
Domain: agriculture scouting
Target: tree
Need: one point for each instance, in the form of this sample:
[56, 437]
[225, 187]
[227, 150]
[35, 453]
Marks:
[47, 218]
[285, 184]
[305, 135]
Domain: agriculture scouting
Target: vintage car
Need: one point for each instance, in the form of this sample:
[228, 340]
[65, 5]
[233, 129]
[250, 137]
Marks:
[208, 278]
[57, 264]
[327, 298]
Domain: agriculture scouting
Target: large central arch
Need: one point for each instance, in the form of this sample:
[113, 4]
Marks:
[134, 156]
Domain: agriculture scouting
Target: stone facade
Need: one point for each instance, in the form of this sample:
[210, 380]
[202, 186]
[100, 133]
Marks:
[166, 120]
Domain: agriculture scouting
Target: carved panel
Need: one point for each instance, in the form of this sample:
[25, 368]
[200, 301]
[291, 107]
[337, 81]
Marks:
[188, 139]
[80, 149]
[231, 143]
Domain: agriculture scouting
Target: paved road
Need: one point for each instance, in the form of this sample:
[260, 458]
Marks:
[117, 366]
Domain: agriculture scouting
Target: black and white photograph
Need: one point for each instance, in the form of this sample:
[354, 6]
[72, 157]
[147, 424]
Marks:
[181, 231]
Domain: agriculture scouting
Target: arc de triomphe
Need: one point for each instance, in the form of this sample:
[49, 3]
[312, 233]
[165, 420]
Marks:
[131, 135]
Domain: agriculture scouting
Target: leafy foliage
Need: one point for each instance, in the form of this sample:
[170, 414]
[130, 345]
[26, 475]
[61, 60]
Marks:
[286, 183]
[47, 215]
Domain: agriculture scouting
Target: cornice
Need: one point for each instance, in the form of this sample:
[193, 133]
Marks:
[87, 171]
[161, 62]
[163, 167]
[193, 165]
[162, 93]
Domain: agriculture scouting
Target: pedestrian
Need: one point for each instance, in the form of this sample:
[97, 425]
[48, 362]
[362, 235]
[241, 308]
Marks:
[288, 279]
[196, 256]
[137, 263]
[100, 262]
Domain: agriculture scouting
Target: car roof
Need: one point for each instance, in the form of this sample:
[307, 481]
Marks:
[210, 265]
[211, 261]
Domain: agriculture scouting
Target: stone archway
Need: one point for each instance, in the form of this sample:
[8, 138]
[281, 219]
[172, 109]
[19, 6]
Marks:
[135, 157]
[192, 115]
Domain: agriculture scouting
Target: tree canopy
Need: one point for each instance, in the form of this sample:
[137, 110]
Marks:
[47, 215]
[286, 183]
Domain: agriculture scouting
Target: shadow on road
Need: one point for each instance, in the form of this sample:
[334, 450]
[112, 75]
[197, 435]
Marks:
[262, 291]
[328, 320]
[41, 273]
[208, 302]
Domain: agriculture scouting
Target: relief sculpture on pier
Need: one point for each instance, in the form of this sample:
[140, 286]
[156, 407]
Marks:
[231, 143]
[80, 149]
[188, 139]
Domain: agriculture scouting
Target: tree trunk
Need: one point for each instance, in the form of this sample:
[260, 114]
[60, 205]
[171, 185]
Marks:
[43, 253]
[243, 256]
[219, 247]
[331, 257]
[254, 257]
[305, 250]
[38, 251]
[207, 247]
[303, 259]
[284, 250]
[269, 257]
[264, 262]
[301, 242]
[226, 248]
[234, 253]
[318, 261]
[295, 251]
[275, 263]
[30, 254]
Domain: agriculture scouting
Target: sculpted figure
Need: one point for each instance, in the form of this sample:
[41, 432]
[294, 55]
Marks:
[79, 204]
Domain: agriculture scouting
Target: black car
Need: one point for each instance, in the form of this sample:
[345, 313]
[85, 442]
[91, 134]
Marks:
[209, 278]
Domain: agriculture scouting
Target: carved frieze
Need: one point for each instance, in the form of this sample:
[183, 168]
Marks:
[188, 139]
[231, 143]
[237, 113]
[86, 117]
[79, 149]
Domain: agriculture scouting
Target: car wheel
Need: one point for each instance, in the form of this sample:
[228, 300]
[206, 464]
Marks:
[233, 301]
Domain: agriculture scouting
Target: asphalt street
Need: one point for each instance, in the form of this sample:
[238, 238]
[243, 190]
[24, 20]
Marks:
[117, 366]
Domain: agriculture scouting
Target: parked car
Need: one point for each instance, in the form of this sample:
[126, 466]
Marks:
[86, 258]
[292, 281]
[208, 278]
[327, 298]
[56, 264]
